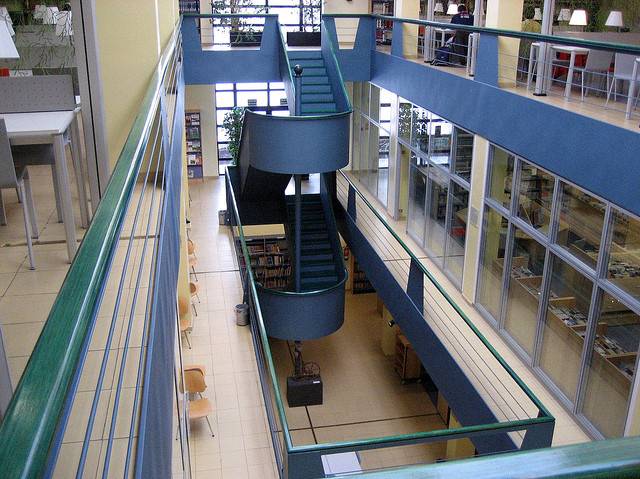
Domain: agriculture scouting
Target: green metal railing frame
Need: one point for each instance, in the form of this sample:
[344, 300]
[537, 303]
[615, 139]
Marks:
[30, 423]
[611, 459]
[386, 441]
[497, 32]
[452, 303]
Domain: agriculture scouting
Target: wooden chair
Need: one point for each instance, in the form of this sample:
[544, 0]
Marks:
[196, 385]
[185, 323]
[194, 288]
[191, 248]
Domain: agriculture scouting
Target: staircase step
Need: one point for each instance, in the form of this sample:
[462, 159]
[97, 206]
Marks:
[315, 258]
[304, 54]
[307, 63]
[314, 72]
[306, 89]
[315, 81]
[318, 108]
[327, 273]
[319, 268]
[316, 98]
[320, 236]
[312, 284]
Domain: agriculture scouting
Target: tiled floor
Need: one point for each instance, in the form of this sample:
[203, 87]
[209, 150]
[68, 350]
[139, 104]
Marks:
[241, 447]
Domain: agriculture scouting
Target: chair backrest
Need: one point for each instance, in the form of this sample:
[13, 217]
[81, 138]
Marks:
[194, 381]
[598, 61]
[7, 170]
[624, 65]
[36, 93]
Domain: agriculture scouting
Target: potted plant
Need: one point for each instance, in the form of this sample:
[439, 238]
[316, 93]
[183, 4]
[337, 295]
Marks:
[311, 14]
[232, 124]
[242, 31]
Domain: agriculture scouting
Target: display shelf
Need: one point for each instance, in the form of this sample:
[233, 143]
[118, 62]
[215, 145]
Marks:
[194, 144]
[189, 6]
[407, 363]
[270, 262]
[359, 282]
[384, 28]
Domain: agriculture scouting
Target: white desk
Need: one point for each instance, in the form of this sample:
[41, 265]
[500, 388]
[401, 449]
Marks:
[572, 51]
[632, 88]
[51, 127]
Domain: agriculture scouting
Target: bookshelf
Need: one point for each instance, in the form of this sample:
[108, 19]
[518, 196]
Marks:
[270, 261]
[189, 6]
[384, 28]
[359, 282]
[194, 144]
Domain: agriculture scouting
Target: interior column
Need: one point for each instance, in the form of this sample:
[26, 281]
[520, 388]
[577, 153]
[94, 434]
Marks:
[507, 15]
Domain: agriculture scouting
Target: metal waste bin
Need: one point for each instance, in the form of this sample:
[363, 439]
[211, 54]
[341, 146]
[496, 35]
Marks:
[242, 314]
[222, 217]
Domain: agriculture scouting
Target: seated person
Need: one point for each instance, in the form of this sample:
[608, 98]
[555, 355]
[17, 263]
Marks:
[461, 38]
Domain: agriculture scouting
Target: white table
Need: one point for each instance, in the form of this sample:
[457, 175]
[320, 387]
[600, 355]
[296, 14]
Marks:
[572, 51]
[53, 127]
[632, 88]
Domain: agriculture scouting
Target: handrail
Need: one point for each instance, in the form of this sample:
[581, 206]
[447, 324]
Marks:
[251, 283]
[288, 79]
[31, 421]
[451, 302]
[328, 41]
[612, 458]
[230, 15]
[592, 44]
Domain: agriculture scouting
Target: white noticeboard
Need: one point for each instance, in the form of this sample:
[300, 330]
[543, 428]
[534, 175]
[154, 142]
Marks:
[341, 463]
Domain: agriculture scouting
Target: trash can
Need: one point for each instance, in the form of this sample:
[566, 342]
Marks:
[222, 217]
[242, 314]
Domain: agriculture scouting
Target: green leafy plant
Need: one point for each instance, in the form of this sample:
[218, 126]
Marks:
[242, 29]
[311, 13]
[232, 124]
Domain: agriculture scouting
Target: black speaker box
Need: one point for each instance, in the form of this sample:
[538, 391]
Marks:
[304, 391]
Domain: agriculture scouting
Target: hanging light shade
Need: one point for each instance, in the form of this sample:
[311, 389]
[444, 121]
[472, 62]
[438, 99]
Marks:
[615, 19]
[439, 8]
[538, 14]
[453, 9]
[564, 15]
[578, 17]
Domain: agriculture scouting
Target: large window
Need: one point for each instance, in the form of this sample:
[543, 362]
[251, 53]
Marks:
[371, 138]
[294, 15]
[572, 301]
[267, 98]
[439, 172]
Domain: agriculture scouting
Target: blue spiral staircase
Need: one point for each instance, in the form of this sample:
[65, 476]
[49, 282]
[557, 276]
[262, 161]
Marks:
[312, 304]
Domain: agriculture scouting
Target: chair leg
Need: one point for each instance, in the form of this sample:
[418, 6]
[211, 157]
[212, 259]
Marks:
[609, 92]
[193, 269]
[27, 227]
[28, 203]
[3, 214]
[56, 193]
[193, 305]
[210, 428]
[186, 337]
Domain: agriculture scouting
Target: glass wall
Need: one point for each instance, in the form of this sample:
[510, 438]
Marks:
[267, 98]
[371, 138]
[439, 175]
[572, 300]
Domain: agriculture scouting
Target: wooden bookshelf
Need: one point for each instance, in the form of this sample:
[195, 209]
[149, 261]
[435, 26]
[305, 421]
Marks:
[194, 144]
[270, 261]
[358, 279]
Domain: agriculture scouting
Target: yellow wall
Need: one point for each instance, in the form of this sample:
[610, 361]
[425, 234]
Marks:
[506, 14]
[408, 9]
[346, 27]
[128, 52]
[478, 174]
[201, 98]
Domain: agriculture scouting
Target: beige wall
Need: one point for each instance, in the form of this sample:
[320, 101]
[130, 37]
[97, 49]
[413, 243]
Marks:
[472, 245]
[506, 14]
[346, 27]
[128, 34]
[201, 98]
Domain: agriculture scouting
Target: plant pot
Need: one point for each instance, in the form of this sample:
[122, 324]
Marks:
[303, 39]
[245, 39]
